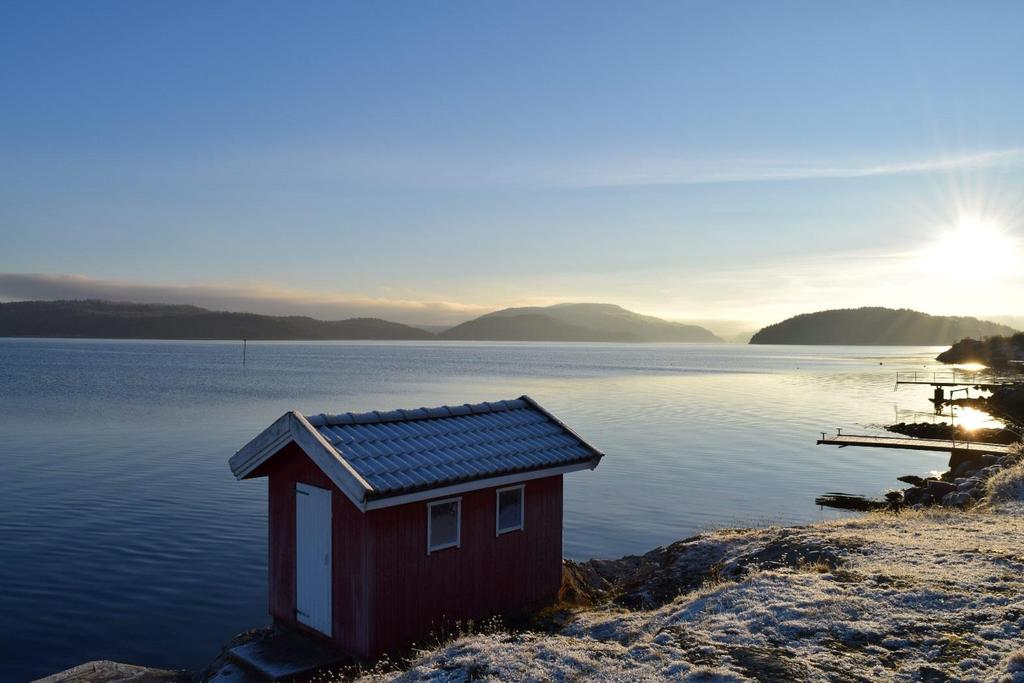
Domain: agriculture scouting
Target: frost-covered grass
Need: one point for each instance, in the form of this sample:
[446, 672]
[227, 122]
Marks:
[1007, 485]
[917, 596]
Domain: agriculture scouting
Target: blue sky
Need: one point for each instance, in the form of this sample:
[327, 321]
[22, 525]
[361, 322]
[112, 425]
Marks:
[428, 161]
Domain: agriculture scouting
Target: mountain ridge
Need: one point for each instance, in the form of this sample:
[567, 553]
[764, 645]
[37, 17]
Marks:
[576, 322]
[92, 318]
[99, 319]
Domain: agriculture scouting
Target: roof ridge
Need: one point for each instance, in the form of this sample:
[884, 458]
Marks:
[411, 414]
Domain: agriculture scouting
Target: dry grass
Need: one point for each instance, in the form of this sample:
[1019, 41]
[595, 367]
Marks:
[1007, 485]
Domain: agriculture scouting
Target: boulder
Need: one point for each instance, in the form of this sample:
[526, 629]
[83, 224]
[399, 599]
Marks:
[989, 471]
[987, 460]
[965, 469]
[938, 489]
[106, 671]
[916, 496]
[956, 499]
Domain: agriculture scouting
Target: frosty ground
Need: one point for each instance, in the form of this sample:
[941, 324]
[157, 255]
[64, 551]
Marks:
[931, 595]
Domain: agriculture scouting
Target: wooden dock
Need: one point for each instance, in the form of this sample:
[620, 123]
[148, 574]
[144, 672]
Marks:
[909, 443]
[949, 379]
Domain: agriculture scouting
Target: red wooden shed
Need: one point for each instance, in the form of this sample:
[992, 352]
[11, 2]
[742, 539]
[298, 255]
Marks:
[387, 527]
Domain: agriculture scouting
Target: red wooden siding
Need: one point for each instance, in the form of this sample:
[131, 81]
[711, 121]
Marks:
[414, 594]
[387, 592]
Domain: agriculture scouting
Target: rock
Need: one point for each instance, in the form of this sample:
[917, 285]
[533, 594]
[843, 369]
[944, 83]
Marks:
[105, 671]
[956, 499]
[850, 501]
[915, 496]
[968, 484]
[938, 489]
[965, 469]
[1007, 461]
[987, 460]
[989, 472]
[582, 585]
[919, 496]
[912, 479]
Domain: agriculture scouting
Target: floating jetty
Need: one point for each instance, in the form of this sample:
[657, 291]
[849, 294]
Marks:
[910, 443]
[959, 451]
[947, 379]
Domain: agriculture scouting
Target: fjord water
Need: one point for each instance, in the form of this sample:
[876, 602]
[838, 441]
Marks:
[124, 536]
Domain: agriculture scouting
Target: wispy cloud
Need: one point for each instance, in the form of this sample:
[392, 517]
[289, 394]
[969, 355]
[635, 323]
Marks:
[689, 172]
[255, 298]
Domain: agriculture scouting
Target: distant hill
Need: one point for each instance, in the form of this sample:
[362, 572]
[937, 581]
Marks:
[110, 320]
[876, 326]
[576, 322]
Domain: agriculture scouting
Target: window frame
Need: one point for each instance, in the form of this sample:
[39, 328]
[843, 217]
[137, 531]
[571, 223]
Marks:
[458, 524]
[498, 531]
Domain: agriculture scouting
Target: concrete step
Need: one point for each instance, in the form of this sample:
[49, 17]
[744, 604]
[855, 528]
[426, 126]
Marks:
[284, 656]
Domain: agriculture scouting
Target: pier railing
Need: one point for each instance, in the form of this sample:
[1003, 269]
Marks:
[949, 378]
[936, 377]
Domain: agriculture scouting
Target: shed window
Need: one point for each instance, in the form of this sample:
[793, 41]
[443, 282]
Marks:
[444, 524]
[510, 509]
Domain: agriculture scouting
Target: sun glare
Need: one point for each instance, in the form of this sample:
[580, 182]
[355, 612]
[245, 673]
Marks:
[971, 419]
[983, 245]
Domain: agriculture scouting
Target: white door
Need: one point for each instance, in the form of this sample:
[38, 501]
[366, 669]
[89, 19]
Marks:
[313, 557]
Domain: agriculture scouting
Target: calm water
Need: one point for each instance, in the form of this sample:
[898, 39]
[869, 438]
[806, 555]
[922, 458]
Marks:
[123, 535]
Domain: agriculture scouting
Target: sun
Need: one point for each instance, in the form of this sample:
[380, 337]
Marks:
[984, 247]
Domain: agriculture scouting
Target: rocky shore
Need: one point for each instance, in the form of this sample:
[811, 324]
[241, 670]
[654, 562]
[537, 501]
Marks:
[964, 485]
[930, 595]
[996, 351]
[944, 430]
[960, 487]
[933, 594]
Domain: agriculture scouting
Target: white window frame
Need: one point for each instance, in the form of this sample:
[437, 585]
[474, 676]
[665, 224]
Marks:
[498, 531]
[458, 524]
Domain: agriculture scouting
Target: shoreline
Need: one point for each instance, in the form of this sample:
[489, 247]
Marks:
[935, 594]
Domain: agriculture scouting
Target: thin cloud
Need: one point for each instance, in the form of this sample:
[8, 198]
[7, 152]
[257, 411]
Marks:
[252, 298]
[662, 172]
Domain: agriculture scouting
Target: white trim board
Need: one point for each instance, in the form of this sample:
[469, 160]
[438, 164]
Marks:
[475, 485]
[292, 426]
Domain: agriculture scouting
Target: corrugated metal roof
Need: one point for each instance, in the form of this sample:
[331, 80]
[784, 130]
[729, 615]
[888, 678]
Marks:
[408, 450]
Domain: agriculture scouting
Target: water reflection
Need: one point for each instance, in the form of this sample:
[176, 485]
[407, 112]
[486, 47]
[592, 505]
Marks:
[114, 462]
[971, 419]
